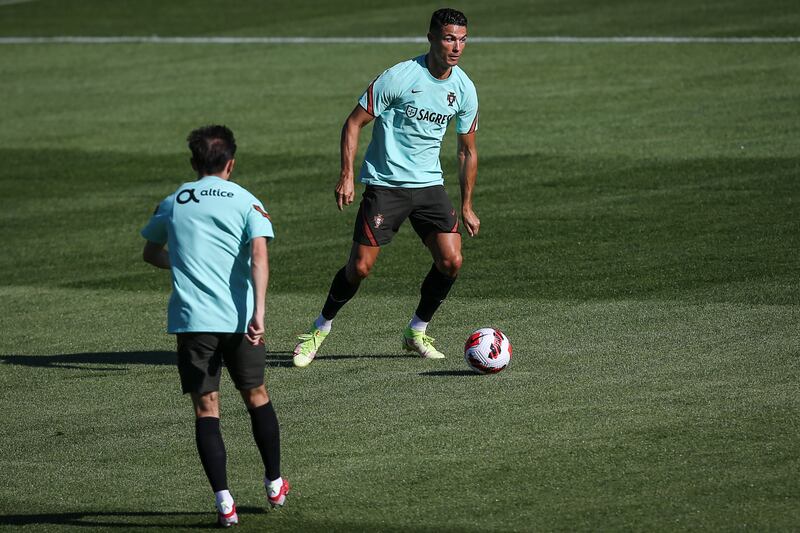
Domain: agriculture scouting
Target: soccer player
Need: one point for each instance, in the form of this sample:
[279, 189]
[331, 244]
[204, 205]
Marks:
[216, 235]
[412, 104]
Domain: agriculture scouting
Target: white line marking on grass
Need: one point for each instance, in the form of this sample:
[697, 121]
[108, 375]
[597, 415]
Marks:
[12, 2]
[642, 40]
[154, 39]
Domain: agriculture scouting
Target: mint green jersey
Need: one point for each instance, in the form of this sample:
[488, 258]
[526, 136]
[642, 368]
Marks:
[412, 110]
[207, 225]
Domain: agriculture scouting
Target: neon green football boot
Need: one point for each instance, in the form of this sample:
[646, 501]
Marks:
[305, 350]
[417, 341]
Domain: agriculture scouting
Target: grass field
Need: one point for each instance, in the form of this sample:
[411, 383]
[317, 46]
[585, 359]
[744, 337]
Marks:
[639, 245]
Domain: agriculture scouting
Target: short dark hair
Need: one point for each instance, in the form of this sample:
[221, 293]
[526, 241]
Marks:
[212, 147]
[443, 17]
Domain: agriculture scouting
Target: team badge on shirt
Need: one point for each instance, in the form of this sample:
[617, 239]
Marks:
[451, 98]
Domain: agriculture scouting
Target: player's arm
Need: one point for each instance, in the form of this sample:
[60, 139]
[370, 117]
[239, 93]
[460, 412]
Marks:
[156, 255]
[467, 174]
[259, 271]
[345, 189]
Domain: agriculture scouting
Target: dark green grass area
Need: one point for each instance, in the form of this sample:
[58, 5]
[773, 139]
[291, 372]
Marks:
[639, 247]
[357, 17]
[700, 229]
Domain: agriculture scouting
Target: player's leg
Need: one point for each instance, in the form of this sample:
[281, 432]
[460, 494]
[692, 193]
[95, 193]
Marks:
[347, 280]
[200, 365]
[246, 364]
[445, 250]
[343, 287]
[380, 215]
[436, 223]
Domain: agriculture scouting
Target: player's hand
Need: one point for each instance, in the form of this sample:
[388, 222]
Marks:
[255, 330]
[471, 221]
[345, 191]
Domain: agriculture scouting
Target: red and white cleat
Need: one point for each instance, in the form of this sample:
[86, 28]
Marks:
[226, 515]
[277, 497]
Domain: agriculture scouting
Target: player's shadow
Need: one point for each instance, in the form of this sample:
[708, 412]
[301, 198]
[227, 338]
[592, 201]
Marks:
[279, 359]
[119, 360]
[122, 519]
[449, 373]
[284, 359]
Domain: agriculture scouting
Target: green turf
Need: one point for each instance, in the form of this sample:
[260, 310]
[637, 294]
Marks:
[639, 247]
[357, 17]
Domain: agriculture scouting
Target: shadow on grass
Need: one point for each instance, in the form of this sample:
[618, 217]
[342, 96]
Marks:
[368, 356]
[284, 359]
[102, 358]
[120, 360]
[121, 519]
[449, 373]
[279, 359]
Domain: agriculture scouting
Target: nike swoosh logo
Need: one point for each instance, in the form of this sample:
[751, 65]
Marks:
[415, 92]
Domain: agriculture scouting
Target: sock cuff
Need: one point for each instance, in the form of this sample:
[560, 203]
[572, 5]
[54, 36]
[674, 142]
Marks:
[418, 324]
[323, 324]
[256, 411]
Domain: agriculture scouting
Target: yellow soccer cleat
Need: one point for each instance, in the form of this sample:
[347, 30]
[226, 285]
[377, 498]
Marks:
[305, 350]
[417, 341]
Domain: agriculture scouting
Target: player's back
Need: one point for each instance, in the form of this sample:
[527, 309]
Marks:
[209, 251]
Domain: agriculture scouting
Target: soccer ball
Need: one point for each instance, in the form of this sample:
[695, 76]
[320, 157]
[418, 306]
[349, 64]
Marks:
[487, 351]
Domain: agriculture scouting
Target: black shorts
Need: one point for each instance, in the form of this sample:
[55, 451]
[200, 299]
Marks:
[384, 209]
[201, 355]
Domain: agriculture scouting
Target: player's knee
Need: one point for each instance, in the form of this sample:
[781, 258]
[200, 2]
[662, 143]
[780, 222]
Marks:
[255, 397]
[361, 269]
[450, 265]
[207, 405]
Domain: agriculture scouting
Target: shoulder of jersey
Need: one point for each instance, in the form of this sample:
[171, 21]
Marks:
[401, 69]
[462, 77]
[252, 199]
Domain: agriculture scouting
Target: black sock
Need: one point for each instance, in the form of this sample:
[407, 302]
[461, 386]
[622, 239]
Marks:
[268, 439]
[212, 451]
[340, 293]
[433, 292]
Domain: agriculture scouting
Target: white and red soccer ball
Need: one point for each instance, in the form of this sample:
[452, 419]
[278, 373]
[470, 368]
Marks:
[487, 351]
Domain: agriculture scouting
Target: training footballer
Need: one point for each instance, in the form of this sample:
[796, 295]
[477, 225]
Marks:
[412, 104]
[216, 234]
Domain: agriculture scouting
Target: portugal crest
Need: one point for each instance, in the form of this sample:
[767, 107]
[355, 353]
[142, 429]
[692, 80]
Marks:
[451, 98]
[377, 220]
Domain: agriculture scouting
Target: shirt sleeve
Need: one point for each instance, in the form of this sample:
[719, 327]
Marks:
[467, 116]
[259, 223]
[380, 94]
[156, 229]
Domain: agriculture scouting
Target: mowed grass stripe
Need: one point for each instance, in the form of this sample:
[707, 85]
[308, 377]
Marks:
[284, 18]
